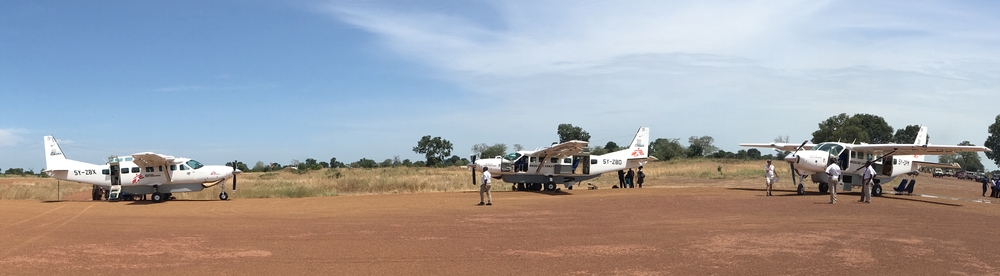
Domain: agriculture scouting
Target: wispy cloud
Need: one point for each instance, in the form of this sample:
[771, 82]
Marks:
[10, 137]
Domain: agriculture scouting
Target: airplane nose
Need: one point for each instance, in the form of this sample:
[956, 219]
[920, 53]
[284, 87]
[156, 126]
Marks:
[792, 158]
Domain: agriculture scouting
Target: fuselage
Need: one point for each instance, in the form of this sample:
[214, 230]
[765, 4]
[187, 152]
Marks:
[815, 161]
[184, 174]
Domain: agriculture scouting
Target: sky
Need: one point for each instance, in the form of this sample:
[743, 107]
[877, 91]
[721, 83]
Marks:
[277, 81]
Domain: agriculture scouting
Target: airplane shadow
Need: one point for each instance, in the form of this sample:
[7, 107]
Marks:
[922, 201]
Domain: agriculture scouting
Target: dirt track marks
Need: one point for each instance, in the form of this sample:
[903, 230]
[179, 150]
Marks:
[141, 254]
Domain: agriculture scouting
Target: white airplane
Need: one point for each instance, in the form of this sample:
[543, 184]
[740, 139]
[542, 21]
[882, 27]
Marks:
[138, 174]
[566, 163]
[809, 159]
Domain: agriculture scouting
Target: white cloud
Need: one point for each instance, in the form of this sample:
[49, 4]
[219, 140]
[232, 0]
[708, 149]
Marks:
[743, 71]
[10, 137]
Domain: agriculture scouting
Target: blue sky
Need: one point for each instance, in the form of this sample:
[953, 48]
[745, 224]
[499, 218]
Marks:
[274, 81]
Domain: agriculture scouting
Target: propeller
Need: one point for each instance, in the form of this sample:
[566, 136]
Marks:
[792, 164]
[869, 163]
[234, 174]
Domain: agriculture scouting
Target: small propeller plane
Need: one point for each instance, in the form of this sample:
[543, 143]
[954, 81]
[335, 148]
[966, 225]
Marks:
[565, 163]
[139, 174]
[895, 160]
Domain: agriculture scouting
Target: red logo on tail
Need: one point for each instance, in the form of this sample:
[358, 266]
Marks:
[638, 152]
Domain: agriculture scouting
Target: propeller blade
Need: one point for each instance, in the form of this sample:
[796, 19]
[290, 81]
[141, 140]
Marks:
[234, 175]
[793, 172]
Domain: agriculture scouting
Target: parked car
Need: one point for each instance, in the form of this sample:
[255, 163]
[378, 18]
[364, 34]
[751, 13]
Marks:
[938, 173]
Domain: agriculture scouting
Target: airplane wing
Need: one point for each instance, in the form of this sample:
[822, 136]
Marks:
[149, 159]
[937, 165]
[907, 149]
[561, 150]
[781, 146]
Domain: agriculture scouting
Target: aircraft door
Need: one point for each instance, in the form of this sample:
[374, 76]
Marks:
[887, 163]
[116, 178]
[844, 159]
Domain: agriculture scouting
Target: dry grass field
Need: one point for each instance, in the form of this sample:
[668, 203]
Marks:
[334, 182]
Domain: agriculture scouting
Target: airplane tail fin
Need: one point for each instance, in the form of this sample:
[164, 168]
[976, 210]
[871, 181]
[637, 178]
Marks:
[640, 144]
[54, 158]
[920, 141]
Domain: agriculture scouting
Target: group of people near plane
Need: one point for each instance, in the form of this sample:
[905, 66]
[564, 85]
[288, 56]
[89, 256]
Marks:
[630, 179]
[994, 186]
[834, 172]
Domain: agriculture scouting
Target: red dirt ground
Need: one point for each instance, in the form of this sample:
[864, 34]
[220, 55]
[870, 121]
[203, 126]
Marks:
[663, 230]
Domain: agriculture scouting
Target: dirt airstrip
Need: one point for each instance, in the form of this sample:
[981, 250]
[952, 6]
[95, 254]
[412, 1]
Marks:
[668, 229]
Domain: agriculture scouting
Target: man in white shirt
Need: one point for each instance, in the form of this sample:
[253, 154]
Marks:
[485, 188]
[769, 176]
[869, 178]
[833, 171]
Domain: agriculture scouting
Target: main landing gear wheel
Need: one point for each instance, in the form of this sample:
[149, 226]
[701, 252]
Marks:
[223, 196]
[801, 190]
[877, 190]
[823, 188]
[157, 197]
[550, 186]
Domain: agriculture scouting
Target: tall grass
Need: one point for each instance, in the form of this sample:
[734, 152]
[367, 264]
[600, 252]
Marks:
[334, 182]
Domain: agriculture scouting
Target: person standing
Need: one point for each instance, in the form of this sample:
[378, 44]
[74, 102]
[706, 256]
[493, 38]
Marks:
[986, 183]
[769, 176]
[833, 171]
[640, 177]
[630, 178]
[485, 188]
[869, 178]
[621, 179]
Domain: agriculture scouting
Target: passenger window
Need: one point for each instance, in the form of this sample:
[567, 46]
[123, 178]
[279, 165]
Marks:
[135, 169]
[124, 170]
[173, 167]
[106, 172]
[593, 161]
[128, 159]
[533, 160]
[184, 167]
[567, 160]
[149, 169]
[160, 167]
[553, 160]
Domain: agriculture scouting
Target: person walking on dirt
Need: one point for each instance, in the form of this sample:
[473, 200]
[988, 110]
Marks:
[869, 178]
[629, 178]
[485, 188]
[769, 176]
[621, 179]
[986, 183]
[640, 177]
[833, 171]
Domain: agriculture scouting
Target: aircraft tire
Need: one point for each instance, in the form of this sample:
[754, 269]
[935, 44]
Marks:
[157, 197]
[551, 186]
[824, 188]
[877, 189]
[223, 196]
[536, 186]
[95, 194]
[801, 190]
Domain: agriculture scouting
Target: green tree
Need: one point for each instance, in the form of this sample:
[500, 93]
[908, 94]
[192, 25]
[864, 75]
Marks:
[487, 151]
[386, 163]
[434, 149]
[907, 135]
[260, 167]
[753, 153]
[324, 164]
[993, 141]
[239, 165]
[364, 163]
[611, 146]
[666, 149]
[860, 128]
[407, 163]
[970, 161]
[569, 132]
[701, 146]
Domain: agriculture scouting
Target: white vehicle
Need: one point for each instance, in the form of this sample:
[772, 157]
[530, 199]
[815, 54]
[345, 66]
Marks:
[139, 174]
[566, 163]
[888, 160]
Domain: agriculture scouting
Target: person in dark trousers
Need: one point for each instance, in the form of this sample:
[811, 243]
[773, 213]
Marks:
[621, 179]
[640, 177]
[629, 177]
[986, 183]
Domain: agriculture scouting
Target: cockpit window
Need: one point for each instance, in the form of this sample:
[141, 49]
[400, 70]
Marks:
[833, 149]
[194, 164]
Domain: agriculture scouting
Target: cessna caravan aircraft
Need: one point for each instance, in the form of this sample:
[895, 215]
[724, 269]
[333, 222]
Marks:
[566, 163]
[895, 160]
[138, 174]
